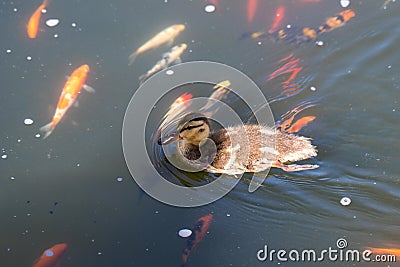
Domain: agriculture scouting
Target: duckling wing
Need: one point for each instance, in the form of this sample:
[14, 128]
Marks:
[293, 148]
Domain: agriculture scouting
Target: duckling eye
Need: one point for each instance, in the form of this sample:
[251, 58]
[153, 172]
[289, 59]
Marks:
[201, 130]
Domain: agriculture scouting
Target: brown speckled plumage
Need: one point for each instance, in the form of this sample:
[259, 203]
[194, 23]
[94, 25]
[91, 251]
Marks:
[246, 149]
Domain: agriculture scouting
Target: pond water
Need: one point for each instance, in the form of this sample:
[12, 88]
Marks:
[74, 187]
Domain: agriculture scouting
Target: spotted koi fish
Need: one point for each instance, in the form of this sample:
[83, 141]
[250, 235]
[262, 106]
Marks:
[68, 96]
[167, 59]
[300, 35]
[199, 231]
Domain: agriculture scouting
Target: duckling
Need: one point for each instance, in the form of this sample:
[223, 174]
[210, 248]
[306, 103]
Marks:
[236, 153]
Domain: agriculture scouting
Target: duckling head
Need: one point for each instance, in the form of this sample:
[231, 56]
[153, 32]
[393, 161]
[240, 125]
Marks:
[193, 128]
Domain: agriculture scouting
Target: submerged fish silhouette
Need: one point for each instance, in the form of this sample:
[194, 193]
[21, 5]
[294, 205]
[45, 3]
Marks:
[199, 231]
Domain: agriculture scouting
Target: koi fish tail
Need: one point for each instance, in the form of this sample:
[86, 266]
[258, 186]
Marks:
[185, 256]
[245, 35]
[45, 3]
[142, 78]
[132, 58]
[254, 35]
[47, 129]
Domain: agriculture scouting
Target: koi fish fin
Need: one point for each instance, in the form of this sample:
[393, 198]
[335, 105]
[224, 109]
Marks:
[89, 89]
[132, 58]
[47, 130]
[178, 60]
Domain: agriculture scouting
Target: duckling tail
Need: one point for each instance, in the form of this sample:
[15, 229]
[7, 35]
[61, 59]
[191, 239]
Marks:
[47, 129]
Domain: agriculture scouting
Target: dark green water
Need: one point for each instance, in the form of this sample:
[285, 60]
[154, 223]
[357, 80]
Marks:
[65, 189]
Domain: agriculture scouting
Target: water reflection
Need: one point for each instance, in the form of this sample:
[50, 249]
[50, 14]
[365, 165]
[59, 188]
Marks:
[106, 222]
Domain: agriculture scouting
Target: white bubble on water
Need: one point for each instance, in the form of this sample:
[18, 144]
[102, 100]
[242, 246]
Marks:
[15, 9]
[120, 179]
[185, 232]
[37, 135]
[44, 11]
[344, 3]
[313, 88]
[28, 121]
[4, 156]
[73, 24]
[8, 51]
[169, 72]
[345, 201]
[52, 22]
[209, 8]
[29, 58]
[56, 35]
[320, 43]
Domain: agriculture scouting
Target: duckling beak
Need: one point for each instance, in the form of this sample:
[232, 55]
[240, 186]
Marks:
[169, 138]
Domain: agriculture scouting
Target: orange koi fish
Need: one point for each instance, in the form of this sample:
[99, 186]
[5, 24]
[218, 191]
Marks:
[286, 119]
[199, 231]
[279, 16]
[68, 96]
[303, 34]
[299, 124]
[181, 99]
[51, 256]
[386, 251]
[336, 21]
[290, 67]
[177, 104]
[251, 9]
[33, 24]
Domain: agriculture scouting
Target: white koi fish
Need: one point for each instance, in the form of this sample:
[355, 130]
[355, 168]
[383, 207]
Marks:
[167, 59]
[166, 35]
